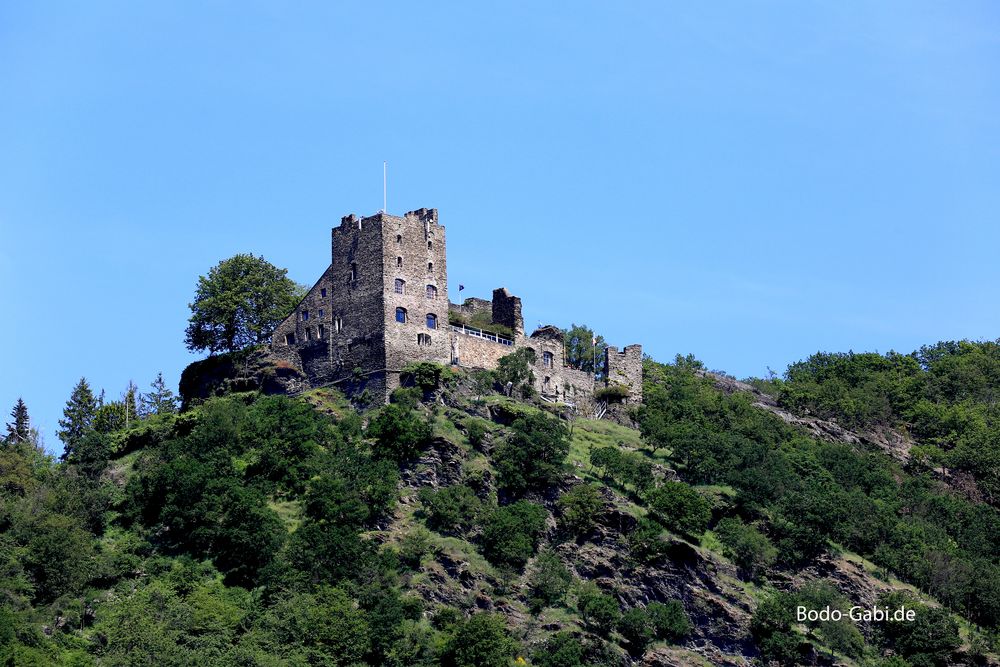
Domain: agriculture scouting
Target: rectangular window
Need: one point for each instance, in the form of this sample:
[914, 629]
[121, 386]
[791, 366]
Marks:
[338, 324]
[322, 332]
[320, 313]
[309, 333]
[322, 292]
[305, 315]
[290, 339]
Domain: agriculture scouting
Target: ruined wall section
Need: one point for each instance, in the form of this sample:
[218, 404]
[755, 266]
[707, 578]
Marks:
[553, 378]
[473, 352]
[416, 280]
[507, 311]
[625, 368]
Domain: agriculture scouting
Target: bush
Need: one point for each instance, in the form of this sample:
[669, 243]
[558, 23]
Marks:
[399, 432]
[637, 628]
[680, 508]
[750, 549]
[600, 612]
[510, 533]
[560, 650]
[613, 393]
[579, 508]
[669, 620]
[475, 431]
[549, 580]
[452, 510]
[533, 456]
[413, 546]
[645, 542]
[425, 375]
[481, 641]
[515, 369]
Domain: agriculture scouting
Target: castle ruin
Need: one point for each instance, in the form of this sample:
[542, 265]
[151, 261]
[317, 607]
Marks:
[383, 303]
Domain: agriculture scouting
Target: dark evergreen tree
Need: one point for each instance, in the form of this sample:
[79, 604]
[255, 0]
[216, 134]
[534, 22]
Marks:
[159, 401]
[18, 430]
[78, 417]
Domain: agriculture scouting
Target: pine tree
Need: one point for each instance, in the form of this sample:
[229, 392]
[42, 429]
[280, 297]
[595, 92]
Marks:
[20, 429]
[78, 417]
[159, 401]
[130, 399]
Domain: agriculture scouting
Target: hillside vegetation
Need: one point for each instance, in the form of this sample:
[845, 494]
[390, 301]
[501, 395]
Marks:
[458, 526]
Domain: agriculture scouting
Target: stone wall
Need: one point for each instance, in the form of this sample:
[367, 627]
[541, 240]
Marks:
[414, 253]
[625, 368]
[474, 352]
[507, 311]
[553, 378]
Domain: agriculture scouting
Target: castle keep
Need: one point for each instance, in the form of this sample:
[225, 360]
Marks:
[383, 303]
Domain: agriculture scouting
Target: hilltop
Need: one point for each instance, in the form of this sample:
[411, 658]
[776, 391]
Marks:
[468, 522]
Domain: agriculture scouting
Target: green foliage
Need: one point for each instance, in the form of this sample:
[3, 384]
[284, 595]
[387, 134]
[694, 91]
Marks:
[636, 627]
[560, 650]
[600, 612]
[514, 370]
[78, 417]
[579, 509]
[746, 546]
[680, 508]
[452, 510]
[624, 467]
[511, 533]
[425, 375]
[533, 455]
[669, 620]
[19, 429]
[928, 640]
[548, 580]
[475, 431]
[160, 400]
[581, 351]
[239, 303]
[613, 393]
[399, 432]
[481, 641]
[645, 541]
[771, 626]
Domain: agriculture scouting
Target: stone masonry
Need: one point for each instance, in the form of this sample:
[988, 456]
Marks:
[383, 303]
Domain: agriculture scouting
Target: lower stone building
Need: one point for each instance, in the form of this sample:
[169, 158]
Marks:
[383, 303]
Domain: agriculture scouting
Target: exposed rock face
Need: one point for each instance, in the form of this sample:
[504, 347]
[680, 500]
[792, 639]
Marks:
[891, 442]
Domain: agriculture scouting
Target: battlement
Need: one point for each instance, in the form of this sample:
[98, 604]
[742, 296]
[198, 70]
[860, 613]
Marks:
[423, 215]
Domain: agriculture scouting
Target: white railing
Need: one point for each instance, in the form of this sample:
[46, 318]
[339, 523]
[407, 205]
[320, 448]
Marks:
[479, 333]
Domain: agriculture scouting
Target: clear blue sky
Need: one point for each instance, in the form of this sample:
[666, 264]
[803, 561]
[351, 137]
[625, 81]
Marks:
[747, 181]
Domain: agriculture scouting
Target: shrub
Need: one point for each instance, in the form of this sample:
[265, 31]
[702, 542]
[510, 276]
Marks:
[613, 393]
[533, 456]
[451, 510]
[549, 580]
[399, 432]
[669, 620]
[637, 628]
[515, 369]
[645, 542]
[425, 375]
[579, 508]
[560, 650]
[510, 533]
[482, 641]
[750, 549]
[680, 508]
[475, 431]
[600, 612]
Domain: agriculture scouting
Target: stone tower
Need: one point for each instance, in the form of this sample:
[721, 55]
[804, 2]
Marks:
[382, 303]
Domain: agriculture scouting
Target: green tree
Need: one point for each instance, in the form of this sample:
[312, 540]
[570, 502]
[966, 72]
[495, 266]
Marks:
[239, 303]
[160, 400]
[581, 350]
[515, 370]
[20, 429]
[750, 549]
[482, 641]
[636, 627]
[78, 417]
[680, 508]
[600, 612]
[669, 620]
[452, 510]
[533, 456]
[510, 533]
[548, 581]
[399, 432]
[560, 650]
[579, 509]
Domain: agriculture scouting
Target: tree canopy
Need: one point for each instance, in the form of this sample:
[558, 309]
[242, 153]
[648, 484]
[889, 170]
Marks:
[239, 303]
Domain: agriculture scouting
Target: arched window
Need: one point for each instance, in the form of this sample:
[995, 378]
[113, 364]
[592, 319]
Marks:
[547, 359]
[432, 321]
[423, 339]
[400, 286]
[401, 315]
[354, 272]
[432, 292]
[399, 238]
[430, 266]
[399, 262]
[430, 245]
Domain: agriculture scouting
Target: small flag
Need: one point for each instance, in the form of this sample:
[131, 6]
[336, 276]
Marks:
[461, 287]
